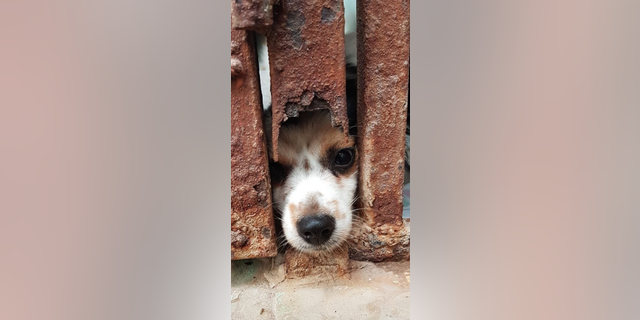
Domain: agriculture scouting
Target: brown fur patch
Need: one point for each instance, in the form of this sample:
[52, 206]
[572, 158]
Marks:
[312, 206]
[335, 206]
[312, 131]
[294, 211]
[334, 141]
[286, 161]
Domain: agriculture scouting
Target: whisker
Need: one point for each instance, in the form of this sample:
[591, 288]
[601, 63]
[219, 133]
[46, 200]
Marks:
[356, 198]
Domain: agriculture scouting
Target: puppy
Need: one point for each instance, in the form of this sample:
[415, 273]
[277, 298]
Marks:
[315, 179]
[314, 182]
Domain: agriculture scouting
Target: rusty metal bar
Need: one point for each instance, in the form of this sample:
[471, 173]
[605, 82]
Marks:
[306, 54]
[307, 65]
[252, 223]
[383, 76]
[299, 265]
[252, 14]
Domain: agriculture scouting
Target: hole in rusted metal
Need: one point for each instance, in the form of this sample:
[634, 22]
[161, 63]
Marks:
[262, 191]
[266, 232]
[293, 109]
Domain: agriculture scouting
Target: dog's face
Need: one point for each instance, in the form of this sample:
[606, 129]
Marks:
[314, 182]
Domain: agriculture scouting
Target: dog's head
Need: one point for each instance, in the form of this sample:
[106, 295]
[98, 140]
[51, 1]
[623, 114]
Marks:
[314, 182]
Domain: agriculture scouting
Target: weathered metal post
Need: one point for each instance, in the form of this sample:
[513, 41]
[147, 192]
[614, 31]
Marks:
[306, 57]
[383, 77]
[254, 15]
[307, 64]
[307, 68]
[252, 223]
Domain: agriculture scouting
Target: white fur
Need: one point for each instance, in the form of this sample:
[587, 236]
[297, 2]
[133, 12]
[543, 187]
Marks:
[316, 184]
[313, 184]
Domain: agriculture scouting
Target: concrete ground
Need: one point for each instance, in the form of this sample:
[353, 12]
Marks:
[374, 291]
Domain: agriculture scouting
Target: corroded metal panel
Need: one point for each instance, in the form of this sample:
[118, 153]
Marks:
[383, 77]
[332, 265]
[306, 53]
[252, 224]
[252, 14]
[307, 67]
[381, 243]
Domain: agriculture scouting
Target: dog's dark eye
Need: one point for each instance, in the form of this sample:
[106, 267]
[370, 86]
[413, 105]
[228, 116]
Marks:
[344, 157]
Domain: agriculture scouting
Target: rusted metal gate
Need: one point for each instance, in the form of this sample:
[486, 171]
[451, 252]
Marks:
[252, 225]
[307, 68]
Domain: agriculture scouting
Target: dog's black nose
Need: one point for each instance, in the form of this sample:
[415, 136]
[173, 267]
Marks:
[316, 229]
